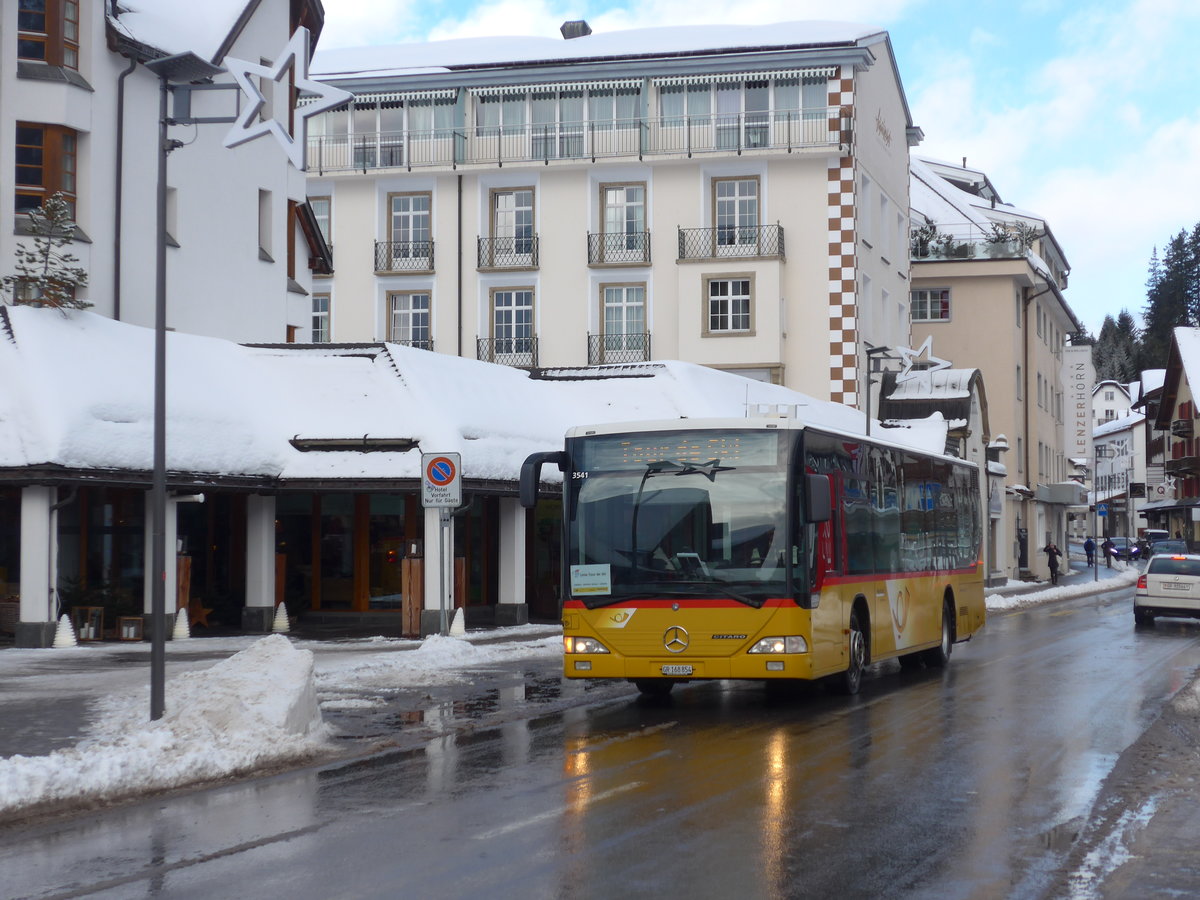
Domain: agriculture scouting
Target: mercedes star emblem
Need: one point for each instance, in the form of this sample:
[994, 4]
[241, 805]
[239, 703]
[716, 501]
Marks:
[676, 639]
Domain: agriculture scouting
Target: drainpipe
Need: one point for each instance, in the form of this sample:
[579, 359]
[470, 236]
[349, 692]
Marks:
[459, 239]
[118, 188]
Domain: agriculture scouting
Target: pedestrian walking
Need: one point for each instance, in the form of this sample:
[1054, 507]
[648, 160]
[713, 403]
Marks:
[1053, 554]
[1089, 550]
[1108, 547]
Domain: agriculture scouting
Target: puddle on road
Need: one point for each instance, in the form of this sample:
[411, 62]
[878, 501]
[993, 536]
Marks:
[1062, 836]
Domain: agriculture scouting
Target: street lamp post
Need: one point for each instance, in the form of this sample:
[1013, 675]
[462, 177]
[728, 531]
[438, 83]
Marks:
[182, 74]
[182, 67]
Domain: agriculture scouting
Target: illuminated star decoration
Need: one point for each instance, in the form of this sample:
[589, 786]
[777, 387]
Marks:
[909, 357]
[247, 127]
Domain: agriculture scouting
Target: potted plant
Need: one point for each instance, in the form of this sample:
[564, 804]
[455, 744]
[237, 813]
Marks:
[922, 240]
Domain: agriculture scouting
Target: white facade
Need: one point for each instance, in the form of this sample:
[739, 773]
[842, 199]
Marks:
[742, 209]
[1120, 480]
[230, 235]
[1110, 400]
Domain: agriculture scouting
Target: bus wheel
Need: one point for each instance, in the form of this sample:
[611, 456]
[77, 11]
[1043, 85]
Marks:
[939, 656]
[851, 680]
[654, 687]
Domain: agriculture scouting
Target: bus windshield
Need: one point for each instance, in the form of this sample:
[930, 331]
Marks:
[678, 514]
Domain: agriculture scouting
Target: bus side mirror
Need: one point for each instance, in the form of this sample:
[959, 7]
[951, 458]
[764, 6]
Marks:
[819, 501]
[531, 474]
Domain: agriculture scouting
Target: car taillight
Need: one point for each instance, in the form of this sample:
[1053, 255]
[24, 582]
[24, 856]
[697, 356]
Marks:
[1141, 581]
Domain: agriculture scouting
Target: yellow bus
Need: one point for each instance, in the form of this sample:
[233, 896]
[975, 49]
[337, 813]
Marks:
[760, 549]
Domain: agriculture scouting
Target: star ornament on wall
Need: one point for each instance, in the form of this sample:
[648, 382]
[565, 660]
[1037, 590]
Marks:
[248, 127]
[910, 357]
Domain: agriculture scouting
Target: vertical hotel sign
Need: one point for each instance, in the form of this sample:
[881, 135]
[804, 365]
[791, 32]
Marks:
[1079, 377]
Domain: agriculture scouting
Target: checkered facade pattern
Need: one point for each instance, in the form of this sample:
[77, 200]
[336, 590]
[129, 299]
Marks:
[843, 308]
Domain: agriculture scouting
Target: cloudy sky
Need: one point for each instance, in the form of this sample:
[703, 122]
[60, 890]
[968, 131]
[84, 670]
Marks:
[1087, 113]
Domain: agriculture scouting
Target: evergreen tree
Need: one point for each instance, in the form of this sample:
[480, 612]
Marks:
[1115, 352]
[46, 273]
[1167, 294]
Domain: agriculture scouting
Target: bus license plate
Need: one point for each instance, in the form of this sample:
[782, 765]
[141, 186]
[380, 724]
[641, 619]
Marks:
[677, 670]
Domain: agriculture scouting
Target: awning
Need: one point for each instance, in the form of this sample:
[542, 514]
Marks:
[605, 85]
[371, 97]
[722, 77]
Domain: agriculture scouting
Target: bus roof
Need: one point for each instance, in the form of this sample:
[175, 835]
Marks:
[782, 423]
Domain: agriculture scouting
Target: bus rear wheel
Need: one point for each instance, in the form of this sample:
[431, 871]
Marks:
[939, 657]
[654, 687]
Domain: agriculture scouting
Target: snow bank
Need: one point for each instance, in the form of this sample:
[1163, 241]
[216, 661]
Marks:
[253, 709]
[998, 601]
[438, 660]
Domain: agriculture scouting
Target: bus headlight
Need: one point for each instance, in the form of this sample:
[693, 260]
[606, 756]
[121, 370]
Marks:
[790, 644]
[582, 645]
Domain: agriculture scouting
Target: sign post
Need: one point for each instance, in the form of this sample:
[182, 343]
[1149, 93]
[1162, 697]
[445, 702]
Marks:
[441, 489]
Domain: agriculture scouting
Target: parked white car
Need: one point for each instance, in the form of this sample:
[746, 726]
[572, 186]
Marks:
[1170, 586]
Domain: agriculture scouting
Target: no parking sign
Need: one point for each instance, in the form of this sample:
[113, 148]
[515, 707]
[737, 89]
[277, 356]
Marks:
[441, 482]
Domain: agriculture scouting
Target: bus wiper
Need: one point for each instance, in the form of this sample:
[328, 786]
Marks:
[669, 466]
[721, 588]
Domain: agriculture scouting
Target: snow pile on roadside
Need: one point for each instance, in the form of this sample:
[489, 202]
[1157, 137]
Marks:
[1187, 701]
[997, 601]
[255, 708]
[439, 660]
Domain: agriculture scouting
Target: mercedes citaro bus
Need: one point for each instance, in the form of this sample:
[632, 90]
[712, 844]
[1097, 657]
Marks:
[759, 549]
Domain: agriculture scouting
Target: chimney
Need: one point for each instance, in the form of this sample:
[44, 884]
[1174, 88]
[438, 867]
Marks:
[575, 29]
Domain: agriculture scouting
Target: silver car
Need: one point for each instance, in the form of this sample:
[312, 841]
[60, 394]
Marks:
[1170, 586]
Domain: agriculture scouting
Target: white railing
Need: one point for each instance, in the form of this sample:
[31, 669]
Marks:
[788, 130]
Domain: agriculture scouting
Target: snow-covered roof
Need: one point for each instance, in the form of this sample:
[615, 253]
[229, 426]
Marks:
[940, 384]
[233, 410]
[1115, 426]
[442, 56]
[177, 26]
[1188, 341]
[946, 204]
[1152, 380]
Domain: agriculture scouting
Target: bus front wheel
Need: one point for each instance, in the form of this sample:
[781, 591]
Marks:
[939, 657]
[851, 680]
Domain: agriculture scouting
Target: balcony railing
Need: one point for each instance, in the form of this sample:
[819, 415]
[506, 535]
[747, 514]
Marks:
[1184, 465]
[729, 241]
[521, 352]
[403, 256]
[968, 241]
[508, 252]
[1182, 428]
[823, 128]
[418, 344]
[618, 348]
[619, 248]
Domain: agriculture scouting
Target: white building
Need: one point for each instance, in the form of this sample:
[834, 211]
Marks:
[735, 196]
[1120, 478]
[1111, 400]
[79, 114]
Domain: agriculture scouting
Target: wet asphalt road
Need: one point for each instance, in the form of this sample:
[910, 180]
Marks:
[968, 783]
